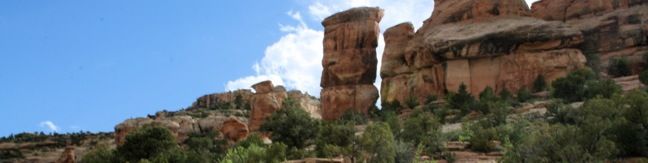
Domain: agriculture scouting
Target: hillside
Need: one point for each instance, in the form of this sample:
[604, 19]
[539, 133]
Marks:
[480, 81]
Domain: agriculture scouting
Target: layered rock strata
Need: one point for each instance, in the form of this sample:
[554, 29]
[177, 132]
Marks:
[479, 43]
[350, 62]
[611, 28]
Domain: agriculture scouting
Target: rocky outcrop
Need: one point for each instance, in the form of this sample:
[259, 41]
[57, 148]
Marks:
[349, 62]
[238, 99]
[451, 11]
[234, 130]
[264, 102]
[611, 28]
[479, 43]
[226, 113]
[68, 156]
[182, 126]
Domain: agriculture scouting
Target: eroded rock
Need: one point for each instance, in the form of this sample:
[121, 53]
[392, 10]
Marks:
[350, 61]
[478, 43]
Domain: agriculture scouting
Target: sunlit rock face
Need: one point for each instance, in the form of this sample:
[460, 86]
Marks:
[350, 62]
[611, 28]
[479, 43]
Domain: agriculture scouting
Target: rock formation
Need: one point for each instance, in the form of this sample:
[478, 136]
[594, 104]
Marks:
[219, 99]
[480, 43]
[226, 113]
[611, 28]
[234, 130]
[68, 155]
[265, 101]
[349, 62]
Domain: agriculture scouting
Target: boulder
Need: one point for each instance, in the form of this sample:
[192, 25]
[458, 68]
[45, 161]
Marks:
[350, 62]
[264, 102]
[234, 130]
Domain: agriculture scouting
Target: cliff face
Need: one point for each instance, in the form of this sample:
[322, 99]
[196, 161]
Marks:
[611, 28]
[480, 43]
[349, 62]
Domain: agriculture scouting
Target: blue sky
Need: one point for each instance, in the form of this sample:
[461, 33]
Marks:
[75, 65]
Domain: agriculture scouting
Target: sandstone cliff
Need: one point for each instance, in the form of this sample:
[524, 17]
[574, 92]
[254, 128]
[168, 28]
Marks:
[350, 62]
[480, 43]
[611, 28]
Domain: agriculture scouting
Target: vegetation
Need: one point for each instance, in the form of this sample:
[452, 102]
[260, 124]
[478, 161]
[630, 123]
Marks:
[378, 144]
[274, 153]
[462, 100]
[540, 84]
[607, 127]
[619, 67]
[421, 128]
[291, 125]
[572, 87]
[148, 142]
[643, 77]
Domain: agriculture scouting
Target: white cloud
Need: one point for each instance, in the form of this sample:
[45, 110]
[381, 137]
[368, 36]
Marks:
[49, 125]
[295, 60]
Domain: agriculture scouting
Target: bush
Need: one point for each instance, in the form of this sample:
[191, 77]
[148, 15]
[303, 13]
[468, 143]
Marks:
[461, 100]
[353, 117]
[100, 154]
[405, 152]
[334, 139]
[378, 144]
[524, 95]
[572, 87]
[619, 67]
[633, 135]
[422, 128]
[602, 88]
[146, 143]
[276, 153]
[643, 77]
[291, 125]
[540, 84]
[482, 136]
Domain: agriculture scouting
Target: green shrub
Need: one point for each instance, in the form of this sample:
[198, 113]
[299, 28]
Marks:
[100, 154]
[422, 128]
[405, 152]
[643, 77]
[619, 67]
[524, 95]
[276, 153]
[353, 117]
[633, 135]
[146, 143]
[602, 88]
[335, 139]
[378, 144]
[540, 84]
[482, 136]
[462, 100]
[572, 87]
[291, 125]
